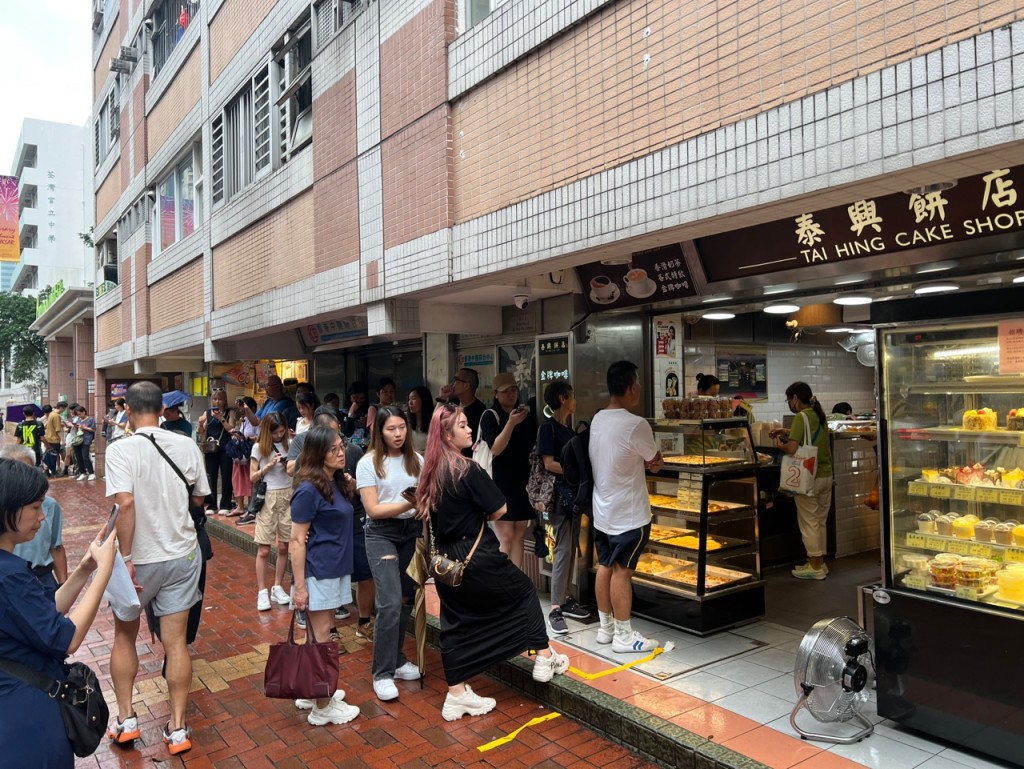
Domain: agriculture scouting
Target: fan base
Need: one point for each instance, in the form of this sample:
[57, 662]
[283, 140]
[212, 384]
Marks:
[866, 731]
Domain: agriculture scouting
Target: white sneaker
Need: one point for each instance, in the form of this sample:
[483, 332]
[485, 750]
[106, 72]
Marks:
[339, 696]
[335, 713]
[546, 668]
[277, 595]
[605, 636]
[408, 672]
[385, 689]
[80, 477]
[92, 477]
[635, 643]
[263, 601]
[470, 703]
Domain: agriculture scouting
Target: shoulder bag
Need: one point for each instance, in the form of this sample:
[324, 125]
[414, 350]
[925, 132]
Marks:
[198, 512]
[799, 468]
[301, 671]
[449, 571]
[82, 707]
[540, 488]
[481, 450]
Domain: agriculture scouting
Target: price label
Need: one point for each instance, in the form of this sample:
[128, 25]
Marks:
[981, 551]
[959, 546]
[986, 494]
[1014, 555]
[935, 543]
[915, 539]
[963, 493]
[940, 491]
[915, 582]
[1011, 497]
[967, 593]
[917, 489]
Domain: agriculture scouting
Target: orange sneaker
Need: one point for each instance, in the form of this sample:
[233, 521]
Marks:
[178, 741]
[124, 731]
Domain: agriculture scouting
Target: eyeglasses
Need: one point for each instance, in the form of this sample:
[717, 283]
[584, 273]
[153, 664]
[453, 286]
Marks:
[461, 381]
[337, 450]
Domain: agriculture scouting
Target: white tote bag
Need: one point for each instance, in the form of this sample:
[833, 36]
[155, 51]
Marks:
[481, 450]
[799, 468]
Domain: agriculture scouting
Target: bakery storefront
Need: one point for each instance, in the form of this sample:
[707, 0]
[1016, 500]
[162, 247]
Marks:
[906, 304]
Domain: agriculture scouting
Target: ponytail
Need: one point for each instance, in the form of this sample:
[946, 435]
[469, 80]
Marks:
[802, 390]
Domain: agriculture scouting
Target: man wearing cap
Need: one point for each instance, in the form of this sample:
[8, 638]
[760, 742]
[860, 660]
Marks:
[462, 390]
[173, 418]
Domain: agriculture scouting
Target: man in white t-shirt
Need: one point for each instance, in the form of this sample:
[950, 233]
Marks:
[157, 539]
[622, 449]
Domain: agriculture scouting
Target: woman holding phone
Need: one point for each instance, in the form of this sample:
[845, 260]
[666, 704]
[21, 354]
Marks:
[215, 426]
[274, 520]
[34, 632]
[390, 468]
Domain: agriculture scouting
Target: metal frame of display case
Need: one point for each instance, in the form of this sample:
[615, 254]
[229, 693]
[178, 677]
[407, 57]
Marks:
[698, 608]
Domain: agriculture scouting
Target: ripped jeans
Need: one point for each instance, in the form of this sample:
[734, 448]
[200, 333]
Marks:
[390, 544]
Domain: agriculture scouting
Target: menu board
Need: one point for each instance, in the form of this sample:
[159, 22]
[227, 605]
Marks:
[1011, 347]
[650, 276]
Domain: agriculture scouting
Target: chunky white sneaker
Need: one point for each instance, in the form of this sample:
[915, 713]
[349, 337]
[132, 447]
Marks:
[92, 477]
[263, 601]
[469, 704]
[335, 713]
[124, 731]
[408, 672]
[635, 643]
[277, 595]
[605, 636]
[546, 668]
[385, 689]
[81, 477]
[339, 696]
[806, 571]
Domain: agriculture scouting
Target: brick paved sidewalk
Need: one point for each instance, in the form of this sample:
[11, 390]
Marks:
[236, 726]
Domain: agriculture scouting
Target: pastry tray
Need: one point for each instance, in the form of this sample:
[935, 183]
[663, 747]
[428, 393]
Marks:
[675, 504]
[725, 543]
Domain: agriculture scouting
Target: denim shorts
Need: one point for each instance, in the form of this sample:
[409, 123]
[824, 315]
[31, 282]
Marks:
[622, 549]
[327, 594]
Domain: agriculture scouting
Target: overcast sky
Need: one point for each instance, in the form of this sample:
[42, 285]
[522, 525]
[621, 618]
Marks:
[47, 47]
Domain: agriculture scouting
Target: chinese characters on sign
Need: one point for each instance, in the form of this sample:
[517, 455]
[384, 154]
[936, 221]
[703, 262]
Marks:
[51, 214]
[650, 276]
[1011, 347]
[975, 207]
[552, 360]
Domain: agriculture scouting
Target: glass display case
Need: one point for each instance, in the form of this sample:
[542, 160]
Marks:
[701, 570]
[947, 621]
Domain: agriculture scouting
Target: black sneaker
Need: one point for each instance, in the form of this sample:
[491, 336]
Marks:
[246, 520]
[300, 619]
[572, 609]
[557, 622]
[342, 613]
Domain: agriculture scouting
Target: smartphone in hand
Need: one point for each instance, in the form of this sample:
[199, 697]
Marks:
[111, 521]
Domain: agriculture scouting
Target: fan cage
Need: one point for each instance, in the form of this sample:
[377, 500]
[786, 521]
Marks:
[819, 664]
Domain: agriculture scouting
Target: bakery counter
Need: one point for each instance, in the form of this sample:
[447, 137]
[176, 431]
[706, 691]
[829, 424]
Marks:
[855, 470]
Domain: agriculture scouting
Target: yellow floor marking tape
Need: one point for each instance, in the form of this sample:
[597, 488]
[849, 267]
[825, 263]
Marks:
[512, 735]
[601, 674]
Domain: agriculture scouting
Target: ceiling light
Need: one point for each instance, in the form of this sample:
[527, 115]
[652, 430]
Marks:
[936, 288]
[924, 269]
[852, 299]
[781, 309]
[718, 316]
[839, 330]
[1019, 279]
[712, 299]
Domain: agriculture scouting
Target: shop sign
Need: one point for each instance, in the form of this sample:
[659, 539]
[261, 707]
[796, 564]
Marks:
[553, 359]
[474, 360]
[1011, 347]
[655, 275]
[329, 331]
[977, 207]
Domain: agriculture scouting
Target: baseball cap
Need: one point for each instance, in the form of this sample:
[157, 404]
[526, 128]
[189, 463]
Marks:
[503, 382]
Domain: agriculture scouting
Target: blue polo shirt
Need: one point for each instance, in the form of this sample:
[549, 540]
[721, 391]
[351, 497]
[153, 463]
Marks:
[329, 544]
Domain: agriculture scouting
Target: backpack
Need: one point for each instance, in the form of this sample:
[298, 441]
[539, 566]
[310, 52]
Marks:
[540, 488]
[577, 470]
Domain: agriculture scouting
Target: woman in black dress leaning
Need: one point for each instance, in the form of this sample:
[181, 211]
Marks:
[494, 614]
[511, 438]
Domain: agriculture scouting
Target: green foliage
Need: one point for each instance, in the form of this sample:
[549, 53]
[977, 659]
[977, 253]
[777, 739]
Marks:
[86, 238]
[23, 351]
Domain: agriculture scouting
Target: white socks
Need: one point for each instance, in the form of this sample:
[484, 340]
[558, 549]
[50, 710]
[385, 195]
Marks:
[623, 630]
[607, 622]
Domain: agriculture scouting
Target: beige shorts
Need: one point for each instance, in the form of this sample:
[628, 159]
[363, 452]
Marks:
[274, 521]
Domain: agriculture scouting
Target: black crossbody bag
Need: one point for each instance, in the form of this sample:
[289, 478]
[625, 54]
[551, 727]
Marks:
[198, 512]
[82, 707]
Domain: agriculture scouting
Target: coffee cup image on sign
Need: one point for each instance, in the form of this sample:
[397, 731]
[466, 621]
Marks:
[603, 289]
[638, 284]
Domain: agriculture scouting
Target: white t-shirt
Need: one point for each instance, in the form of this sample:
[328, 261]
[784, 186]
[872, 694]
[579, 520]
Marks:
[277, 476]
[620, 443]
[163, 527]
[391, 486]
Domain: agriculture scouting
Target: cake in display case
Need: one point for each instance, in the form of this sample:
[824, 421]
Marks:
[701, 570]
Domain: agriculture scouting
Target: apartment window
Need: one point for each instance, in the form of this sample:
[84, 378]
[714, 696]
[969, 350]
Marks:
[177, 208]
[241, 138]
[107, 127]
[106, 259]
[171, 18]
[293, 58]
[478, 10]
[331, 16]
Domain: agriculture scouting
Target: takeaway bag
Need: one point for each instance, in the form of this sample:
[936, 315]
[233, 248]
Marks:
[799, 468]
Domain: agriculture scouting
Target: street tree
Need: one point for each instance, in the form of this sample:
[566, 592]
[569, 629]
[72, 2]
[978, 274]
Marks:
[23, 352]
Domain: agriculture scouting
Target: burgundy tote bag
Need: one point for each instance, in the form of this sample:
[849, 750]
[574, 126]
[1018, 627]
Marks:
[301, 671]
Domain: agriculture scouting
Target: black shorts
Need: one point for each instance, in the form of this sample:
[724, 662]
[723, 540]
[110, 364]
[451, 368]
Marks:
[360, 566]
[622, 549]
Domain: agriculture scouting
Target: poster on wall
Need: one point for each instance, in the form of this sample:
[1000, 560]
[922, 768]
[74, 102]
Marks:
[743, 372]
[655, 275]
[481, 360]
[517, 360]
[668, 368]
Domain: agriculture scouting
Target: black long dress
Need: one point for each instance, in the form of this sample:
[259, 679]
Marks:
[512, 467]
[494, 614]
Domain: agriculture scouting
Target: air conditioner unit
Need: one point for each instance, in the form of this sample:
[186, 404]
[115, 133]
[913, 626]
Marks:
[120, 65]
[128, 53]
[97, 19]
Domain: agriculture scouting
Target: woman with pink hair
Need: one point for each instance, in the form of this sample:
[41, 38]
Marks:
[494, 614]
